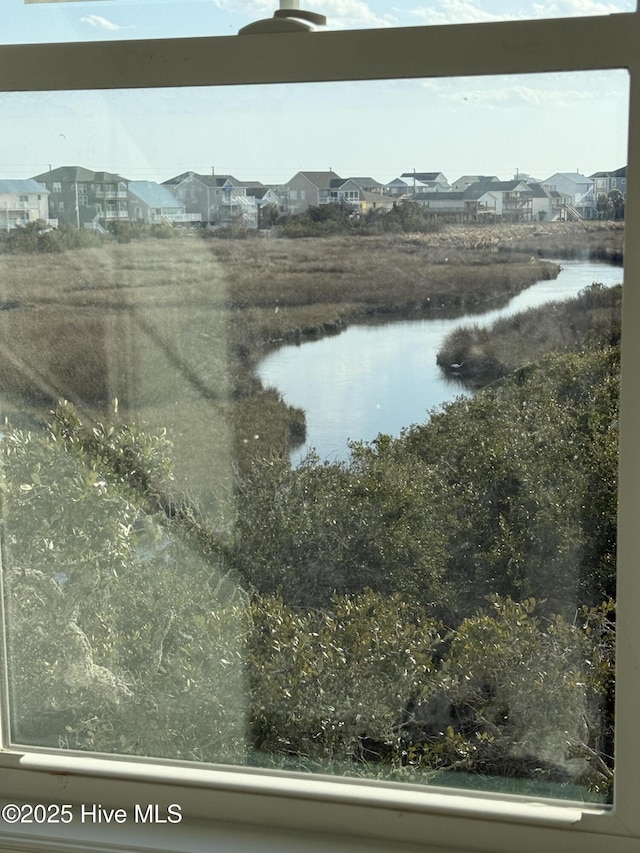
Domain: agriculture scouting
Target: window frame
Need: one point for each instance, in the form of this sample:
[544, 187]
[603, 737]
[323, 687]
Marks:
[232, 806]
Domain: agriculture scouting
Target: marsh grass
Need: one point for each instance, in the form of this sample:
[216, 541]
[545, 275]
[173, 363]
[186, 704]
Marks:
[489, 353]
[174, 328]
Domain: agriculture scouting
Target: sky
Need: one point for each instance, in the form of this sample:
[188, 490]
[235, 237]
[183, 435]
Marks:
[537, 124]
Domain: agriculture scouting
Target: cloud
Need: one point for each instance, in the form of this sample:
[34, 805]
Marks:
[340, 13]
[454, 12]
[100, 22]
[580, 8]
[470, 12]
[259, 8]
[351, 13]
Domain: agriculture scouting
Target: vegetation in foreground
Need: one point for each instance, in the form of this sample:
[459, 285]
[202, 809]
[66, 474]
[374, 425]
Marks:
[440, 604]
[443, 603]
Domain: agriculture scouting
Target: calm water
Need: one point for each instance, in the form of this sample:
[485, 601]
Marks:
[380, 378]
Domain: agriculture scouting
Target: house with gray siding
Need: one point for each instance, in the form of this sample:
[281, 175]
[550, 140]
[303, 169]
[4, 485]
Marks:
[221, 200]
[607, 181]
[308, 189]
[85, 198]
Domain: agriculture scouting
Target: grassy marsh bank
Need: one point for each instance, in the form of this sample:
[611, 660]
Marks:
[174, 328]
[485, 354]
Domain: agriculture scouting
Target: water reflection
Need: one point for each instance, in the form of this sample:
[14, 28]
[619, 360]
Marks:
[381, 378]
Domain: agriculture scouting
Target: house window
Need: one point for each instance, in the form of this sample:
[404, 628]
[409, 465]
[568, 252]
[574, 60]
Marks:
[57, 187]
[86, 673]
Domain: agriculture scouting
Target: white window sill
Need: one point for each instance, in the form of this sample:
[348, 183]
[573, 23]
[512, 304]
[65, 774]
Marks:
[238, 809]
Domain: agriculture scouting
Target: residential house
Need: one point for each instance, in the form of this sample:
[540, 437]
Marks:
[517, 201]
[267, 203]
[308, 189]
[85, 198]
[153, 204]
[574, 185]
[21, 202]
[452, 205]
[221, 200]
[512, 201]
[410, 184]
[432, 181]
[362, 194]
[367, 185]
[549, 205]
[607, 181]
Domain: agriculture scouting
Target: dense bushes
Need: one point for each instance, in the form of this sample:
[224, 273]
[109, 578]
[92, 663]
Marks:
[38, 238]
[124, 635]
[441, 603]
[334, 219]
[494, 495]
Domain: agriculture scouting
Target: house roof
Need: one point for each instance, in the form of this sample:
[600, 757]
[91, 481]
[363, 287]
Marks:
[480, 188]
[73, 174]
[321, 180]
[154, 195]
[209, 180]
[366, 183]
[22, 187]
[576, 177]
[475, 179]
[537, 190]
[618, 173]
[65, 174]
[109, 177]
[425, 177]
[259, 192]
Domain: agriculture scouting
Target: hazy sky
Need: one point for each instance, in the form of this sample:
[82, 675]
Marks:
[537, 124]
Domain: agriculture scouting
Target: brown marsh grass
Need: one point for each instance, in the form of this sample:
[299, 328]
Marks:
[172, 329]
[488, 353]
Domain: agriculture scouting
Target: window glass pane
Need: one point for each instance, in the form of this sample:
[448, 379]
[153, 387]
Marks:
[309, 454]
[28, 21]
